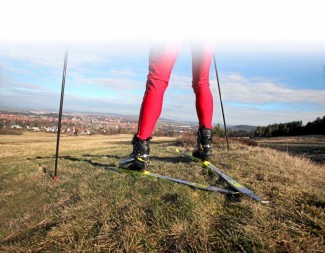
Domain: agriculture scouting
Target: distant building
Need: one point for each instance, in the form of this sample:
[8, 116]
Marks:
[16, 126]
[85, 132]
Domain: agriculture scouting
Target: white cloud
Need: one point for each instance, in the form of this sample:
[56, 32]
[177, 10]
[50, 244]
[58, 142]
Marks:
[116, 84]
[239, 89]
[254, 101]
[179, 81]
[255, 116]
[236, 88]
[122, 72]
[51, 55]
[8, 85]
[35, 54]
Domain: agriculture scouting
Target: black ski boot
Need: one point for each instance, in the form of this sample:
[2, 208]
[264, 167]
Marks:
[139, 159]
[203, 149]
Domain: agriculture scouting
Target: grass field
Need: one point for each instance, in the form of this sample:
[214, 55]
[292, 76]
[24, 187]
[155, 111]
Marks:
[311, 147]
[89, 209]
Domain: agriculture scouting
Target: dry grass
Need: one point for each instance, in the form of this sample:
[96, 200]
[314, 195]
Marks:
[311, 147]
[92, 210]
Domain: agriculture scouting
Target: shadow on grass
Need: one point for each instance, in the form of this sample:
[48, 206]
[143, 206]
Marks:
[316, 153]
[102, 156]
[153, 143]
[229, 197]
[70, 158]
[178, 159]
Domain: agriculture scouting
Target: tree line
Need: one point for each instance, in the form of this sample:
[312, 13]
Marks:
[291, 128]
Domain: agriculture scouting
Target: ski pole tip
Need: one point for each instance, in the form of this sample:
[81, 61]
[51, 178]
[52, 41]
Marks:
[265, 202]
[54, 178]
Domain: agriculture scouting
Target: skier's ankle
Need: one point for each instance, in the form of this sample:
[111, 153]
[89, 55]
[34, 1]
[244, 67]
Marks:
[139, 158]
[203, 148]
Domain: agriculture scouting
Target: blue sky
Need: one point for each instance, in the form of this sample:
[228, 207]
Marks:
[258, 87]
[270, 69]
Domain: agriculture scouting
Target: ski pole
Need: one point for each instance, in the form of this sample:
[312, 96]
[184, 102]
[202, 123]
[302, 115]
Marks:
[60, 116]
[223, 113]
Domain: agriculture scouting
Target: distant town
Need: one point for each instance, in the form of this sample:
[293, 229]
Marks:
[84, 123]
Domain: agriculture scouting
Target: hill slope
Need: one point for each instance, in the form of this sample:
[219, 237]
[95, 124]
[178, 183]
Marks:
[92, 210]
[243, 127]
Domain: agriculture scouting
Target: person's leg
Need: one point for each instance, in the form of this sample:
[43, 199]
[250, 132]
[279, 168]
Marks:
[201, 61]
[161, 62]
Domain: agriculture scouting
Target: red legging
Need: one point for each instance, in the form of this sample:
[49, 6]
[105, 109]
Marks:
[161, 62]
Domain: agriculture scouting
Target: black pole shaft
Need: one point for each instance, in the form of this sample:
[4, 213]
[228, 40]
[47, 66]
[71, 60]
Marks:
[223, 113]
[60, 116]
